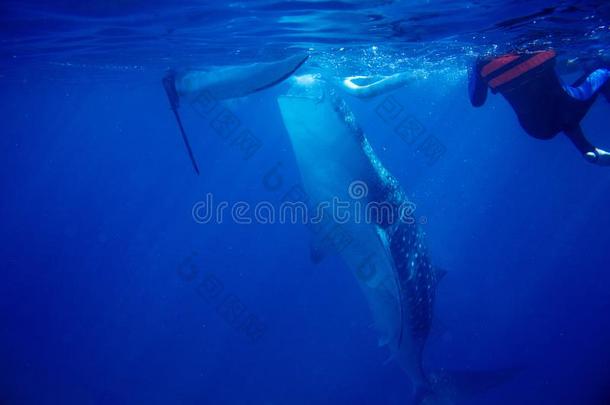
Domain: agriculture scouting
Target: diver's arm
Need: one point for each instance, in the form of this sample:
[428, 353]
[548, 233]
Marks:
[372, 89]
[591, 153]
[477, 87]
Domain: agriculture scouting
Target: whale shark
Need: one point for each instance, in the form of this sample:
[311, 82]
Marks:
[385, 248]
[222, 83]
[388, 257]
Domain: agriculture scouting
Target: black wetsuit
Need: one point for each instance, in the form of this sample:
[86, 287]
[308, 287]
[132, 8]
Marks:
[544, 105]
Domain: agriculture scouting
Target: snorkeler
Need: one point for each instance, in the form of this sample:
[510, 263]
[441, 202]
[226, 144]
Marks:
[544, 105]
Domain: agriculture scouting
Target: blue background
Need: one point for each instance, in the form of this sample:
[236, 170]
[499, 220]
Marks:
[96, 199]
[97, 222]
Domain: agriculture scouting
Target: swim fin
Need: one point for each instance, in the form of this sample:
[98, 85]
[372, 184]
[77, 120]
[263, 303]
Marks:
[169, 83]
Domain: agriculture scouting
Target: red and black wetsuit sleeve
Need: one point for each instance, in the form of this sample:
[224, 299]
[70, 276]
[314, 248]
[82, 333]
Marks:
[477, 86]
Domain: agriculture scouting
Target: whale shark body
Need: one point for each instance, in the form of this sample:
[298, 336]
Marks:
[389, 258]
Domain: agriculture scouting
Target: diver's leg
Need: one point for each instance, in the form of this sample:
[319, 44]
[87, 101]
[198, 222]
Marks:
[589, 152]
[589, 87]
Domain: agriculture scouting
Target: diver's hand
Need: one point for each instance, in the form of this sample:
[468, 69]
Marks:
[599, 157]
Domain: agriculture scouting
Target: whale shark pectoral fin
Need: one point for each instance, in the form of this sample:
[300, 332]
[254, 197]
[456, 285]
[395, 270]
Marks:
[322, 245]
[383, 341]
[318, 251]
[440, 273]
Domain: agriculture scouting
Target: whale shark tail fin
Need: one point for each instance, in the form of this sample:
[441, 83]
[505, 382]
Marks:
[169, 84]
[448, 386]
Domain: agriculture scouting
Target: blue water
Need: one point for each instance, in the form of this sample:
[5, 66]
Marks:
[112, 294]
